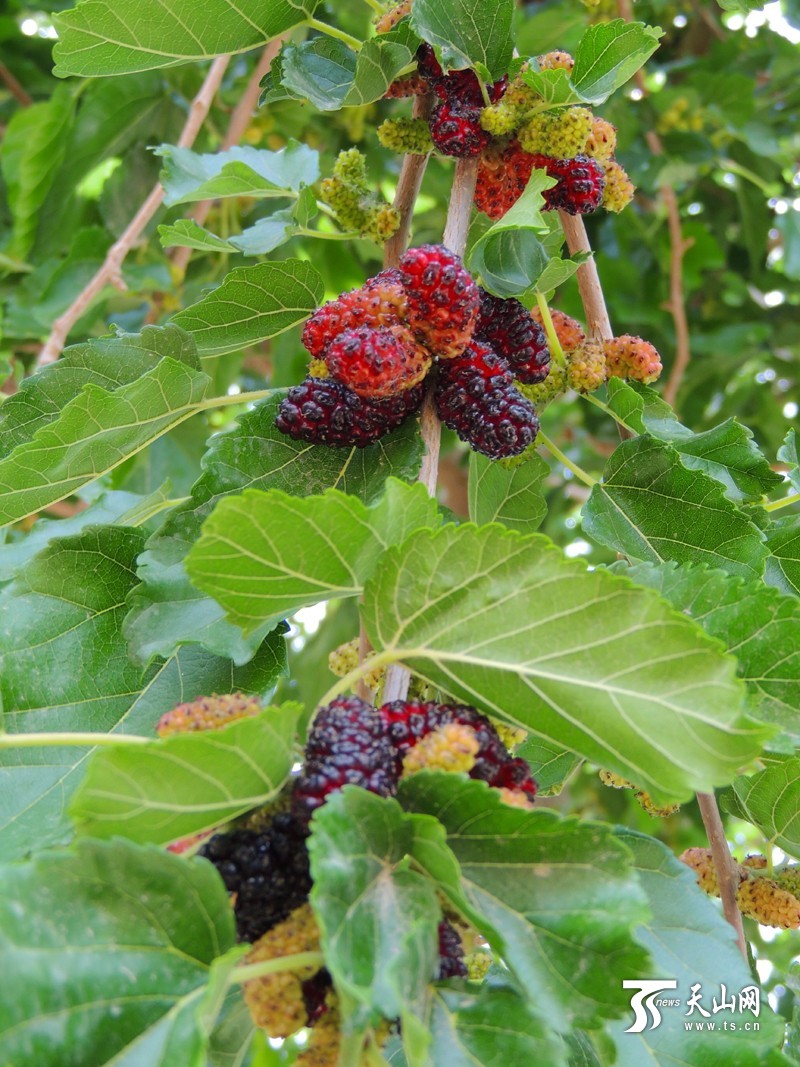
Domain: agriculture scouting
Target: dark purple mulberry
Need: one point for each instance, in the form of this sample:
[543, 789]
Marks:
[510, 330]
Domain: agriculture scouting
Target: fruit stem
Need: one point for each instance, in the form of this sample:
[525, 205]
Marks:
[334, 31]
[248, 971]
[776, 505]
[726, 867]
[556, 453]
[556, 351]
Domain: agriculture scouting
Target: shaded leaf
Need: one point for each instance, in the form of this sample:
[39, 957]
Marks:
[508, 623]
[185, 233]
[783, 562]
[514, 497]
[788, 454]
[770, 800]
[468, 34]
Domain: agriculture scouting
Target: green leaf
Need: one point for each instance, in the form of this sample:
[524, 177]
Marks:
[111, 947]
[788, 454]
[267, 234]
[466, 33]
[377, 917]
[63, 667]
[34, 146]
[550, 766]
[264, 555]
[726, 452]
[86, 414]
[559, 271]
[321, 71]
[251, 305]
[240, 171]
[167, 610]
[490, 1027]
[770, 800]
[507, 622]
[555, 897]
[754, 622]
[98, 38]
[185, 233]
[553, 86]
[609, 54]
[379, 62]
[689, 941]
[173, 787]
[514, 497]
[783, 561]
[509, 256]
[650, 507]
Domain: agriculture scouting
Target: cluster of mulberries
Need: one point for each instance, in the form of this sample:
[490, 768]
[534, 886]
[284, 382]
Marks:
[646, 802]
[347, 193]
[762, 898]
[373, 347]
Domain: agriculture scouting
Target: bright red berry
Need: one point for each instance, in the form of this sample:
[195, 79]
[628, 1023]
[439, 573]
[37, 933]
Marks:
[348, 745]
[381, 301]
[581, 182]
[377, 363]
[503, 173]
[325, 412]
[442, 299]
[511, 331]
[476, 397]
[456, 129]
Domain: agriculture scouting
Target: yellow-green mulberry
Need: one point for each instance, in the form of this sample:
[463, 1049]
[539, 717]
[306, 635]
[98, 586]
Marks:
[619, 189]
[382, 222]
[556, 61]
[586, 367]
[545, 392]
[602, 140]
[406, 135]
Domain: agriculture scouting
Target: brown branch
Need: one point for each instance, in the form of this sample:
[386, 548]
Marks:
[241, 117]
[110, 273]
[598, 324]
[14, 87]
[724, 864]
[455, 238]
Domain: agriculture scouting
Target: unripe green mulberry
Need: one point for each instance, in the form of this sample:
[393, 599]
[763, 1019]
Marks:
[619, 189]
[602, 140]
[534, 135]
[586, 367]
[560, 135]
[406, 135]
[510, 463]
[545, 392]
[478, 965]
[207, 713]
[351, 167]
[345, 201]
[509, 112]
[381, 223]
[788, 878]
[345, 659]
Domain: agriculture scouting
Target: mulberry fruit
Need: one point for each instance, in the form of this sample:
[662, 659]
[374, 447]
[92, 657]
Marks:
[631, 357]
[347, 745]
[509, 112]
[323, 411]
[452, 963]
[380, 302]
[646, 802]
[345, 201]
[428, 65]
[411, 85]
[389, 19]
[602, 140]
[547, 391]
[508, 328]
[377, 363]
[556, 61]
[503, 172]
[406, 135]
[442, 299]
[475, 396]
[381, 221]
[619, 189]
[586, 367]
[345, 659]
[207, 713]
[559, 135]
[408, 722]
[456, 129]
[452, 747]
[759, 898]
[568, 330]
[267, 871]
[278, 1002]
[581, 182]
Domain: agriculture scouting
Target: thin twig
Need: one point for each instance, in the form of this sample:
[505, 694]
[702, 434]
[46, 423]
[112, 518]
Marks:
[455, 238]
[727, 875]
[241, 117]
[17, 91]
[110, 273]
[598, 324]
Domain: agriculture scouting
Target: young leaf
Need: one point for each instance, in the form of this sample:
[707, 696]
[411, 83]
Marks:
[141, 927]
[252, 304]
[513, 497]
[609, 54]
[177, 786]
[267, 234]
[507, 622]
[378, 918]
[63, 667]
[86, 414]
[783, 561]
[788, 454]
[240, 171]
[185, 233]
[379, 62]
[166, 609]
[550, 766]
[98, 38]
[650, 507]
[770, 800]
[690, 941]
[468, 34]
[553, 86]
[320, 70]
[264, 555]
[509, 256]
[756, 623]
[555, 897]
